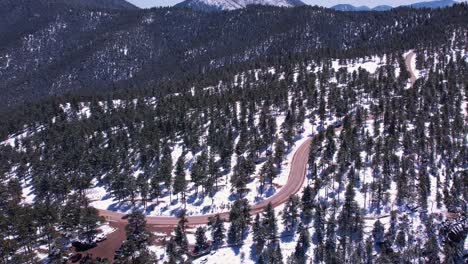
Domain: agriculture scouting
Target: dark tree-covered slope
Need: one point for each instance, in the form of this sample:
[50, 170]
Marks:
[52, 49]
[105, 4]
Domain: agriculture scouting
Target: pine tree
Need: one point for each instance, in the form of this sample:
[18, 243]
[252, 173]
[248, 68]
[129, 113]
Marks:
[290, 212]
[155, 182]
[319, 235]
[180, 183]
[368, 256]
[431, 247]
[269, 223]
[272, 255]
[304, 237]
[71, 213]
[278, 256]
[172, 252]
[330, 242]
[199, 170]
[216, 224]
[211, 185]
[180, 237]
[239, 216]
[267, 172]
[165, 167]
[303, 244]
[378, 232]
[201, 242]
[319, 224]
[279, 152]
[259, 235]
[261, 259]
[135, 248]
[143, 187]
[57, 254]
[400, 240]
[307, 203]
[89, 222]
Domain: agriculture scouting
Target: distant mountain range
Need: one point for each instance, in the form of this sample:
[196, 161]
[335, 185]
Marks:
[428, 4]
[101, 4]
[348, 7]
[219, 5]
[216, 5]
[434, 4]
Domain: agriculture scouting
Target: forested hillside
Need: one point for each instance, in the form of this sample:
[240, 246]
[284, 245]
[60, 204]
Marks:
[49, 49]
[386, 176]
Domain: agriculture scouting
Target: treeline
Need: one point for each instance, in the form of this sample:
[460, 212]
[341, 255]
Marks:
[94, 50]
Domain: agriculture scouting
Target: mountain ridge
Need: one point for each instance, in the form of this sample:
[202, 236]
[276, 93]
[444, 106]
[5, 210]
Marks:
[426, 4]
[80, 49]
[218, 5]
[100, 4]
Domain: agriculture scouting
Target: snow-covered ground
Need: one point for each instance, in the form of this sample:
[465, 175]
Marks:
[199, 203]
[169, 205]
[369, 65]
[244, 253]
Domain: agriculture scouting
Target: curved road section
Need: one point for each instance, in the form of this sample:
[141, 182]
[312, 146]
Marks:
[293, 185]
[408, 59]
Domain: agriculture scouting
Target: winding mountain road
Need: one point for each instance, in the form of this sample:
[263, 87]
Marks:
[293, 185]
[166, 224]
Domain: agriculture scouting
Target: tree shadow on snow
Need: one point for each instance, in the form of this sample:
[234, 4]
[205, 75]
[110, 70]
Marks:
[120, 206]
[206, 209]
[176, 211]
[270, 191]
[233, 197]
[107, 196]
[253, 253]
[236, 249]
[192, 198]
[199, 201]
[267, 192]
[150, 208]
[288, 235]
[174, 201]
[164, 209]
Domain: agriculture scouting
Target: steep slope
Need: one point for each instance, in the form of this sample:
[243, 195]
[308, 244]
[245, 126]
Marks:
[216, 5]
[374, 162]
[61, 49]
[101, 4]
